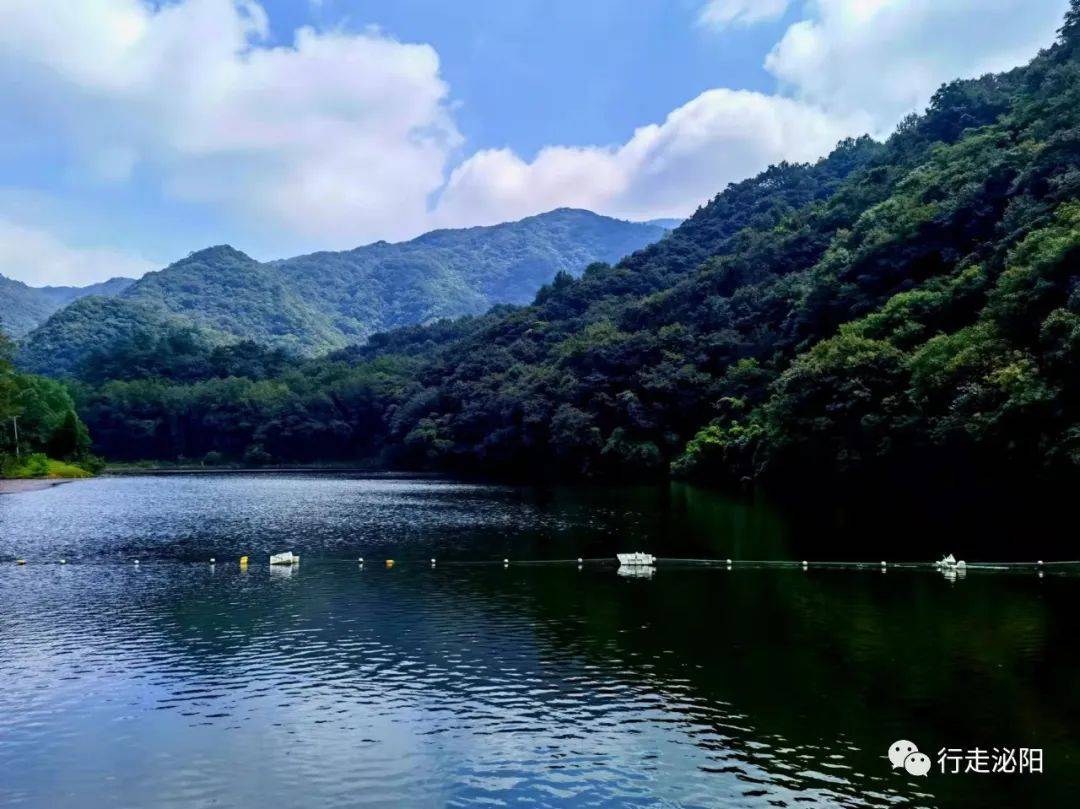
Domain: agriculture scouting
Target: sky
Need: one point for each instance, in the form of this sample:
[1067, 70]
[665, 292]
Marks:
[136, 132]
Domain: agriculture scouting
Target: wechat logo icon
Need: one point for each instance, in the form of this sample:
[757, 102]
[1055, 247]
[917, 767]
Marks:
[905, 755]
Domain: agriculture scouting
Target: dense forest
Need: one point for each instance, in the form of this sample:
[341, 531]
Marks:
[312, 304]
[893, 308]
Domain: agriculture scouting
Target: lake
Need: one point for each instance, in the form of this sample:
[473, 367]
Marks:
[180, 683]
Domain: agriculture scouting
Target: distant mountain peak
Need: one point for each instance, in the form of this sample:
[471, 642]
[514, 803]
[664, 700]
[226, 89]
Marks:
[217, 252]
[566, 210]
[666, 223]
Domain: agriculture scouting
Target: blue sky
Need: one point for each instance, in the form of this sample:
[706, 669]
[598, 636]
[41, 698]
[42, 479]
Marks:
[144, 131]
[529, 73]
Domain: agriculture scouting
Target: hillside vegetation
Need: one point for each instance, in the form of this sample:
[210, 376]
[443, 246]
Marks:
[894, 308]
[312, 304]
[22, 307]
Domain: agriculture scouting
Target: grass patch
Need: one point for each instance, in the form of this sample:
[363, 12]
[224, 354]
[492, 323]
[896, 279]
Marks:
[40, 466]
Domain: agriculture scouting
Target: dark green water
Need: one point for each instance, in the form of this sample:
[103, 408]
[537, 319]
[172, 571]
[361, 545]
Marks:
[177, 683]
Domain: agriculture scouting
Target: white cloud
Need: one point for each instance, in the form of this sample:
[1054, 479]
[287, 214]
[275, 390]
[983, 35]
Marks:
[887, 57]
[852, 66]
[665, 169]
[36, 257]
[340, 136]
[720, 14]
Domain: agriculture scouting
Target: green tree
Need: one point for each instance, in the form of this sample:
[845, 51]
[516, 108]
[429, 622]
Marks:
[70, 440]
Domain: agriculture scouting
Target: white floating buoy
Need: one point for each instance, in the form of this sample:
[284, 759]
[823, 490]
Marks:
[63, 561]
[805, 564]
[360, 560]
[136, 561]
[883, 565]
[506, 563]
[433, 562]
[579, 560]
[1040, 563]
[729, 563]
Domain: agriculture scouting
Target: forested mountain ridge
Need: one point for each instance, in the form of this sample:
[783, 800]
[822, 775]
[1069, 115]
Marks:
[24, 307]
[449, 273]
[311, 304]
[900, 306]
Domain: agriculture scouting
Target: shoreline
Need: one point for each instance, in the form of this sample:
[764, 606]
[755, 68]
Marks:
[20, 485]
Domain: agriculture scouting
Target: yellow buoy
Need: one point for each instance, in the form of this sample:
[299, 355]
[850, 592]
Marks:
[243, 561]
[389, 562]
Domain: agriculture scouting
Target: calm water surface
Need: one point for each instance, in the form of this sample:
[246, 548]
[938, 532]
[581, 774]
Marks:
[178, 683]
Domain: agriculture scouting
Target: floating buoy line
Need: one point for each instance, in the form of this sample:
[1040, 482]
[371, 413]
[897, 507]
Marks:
[645, 564]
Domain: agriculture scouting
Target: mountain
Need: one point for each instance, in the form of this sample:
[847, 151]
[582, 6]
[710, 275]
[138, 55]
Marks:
[906, 310]
[666, 224]
[314, 303]
[448, 273]
[23, 307]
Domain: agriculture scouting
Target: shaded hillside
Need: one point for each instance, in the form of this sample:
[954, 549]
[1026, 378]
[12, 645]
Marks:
[23, 307]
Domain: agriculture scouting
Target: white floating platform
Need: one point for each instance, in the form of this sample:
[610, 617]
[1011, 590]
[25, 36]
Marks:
[286, 558]
[635, 559]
